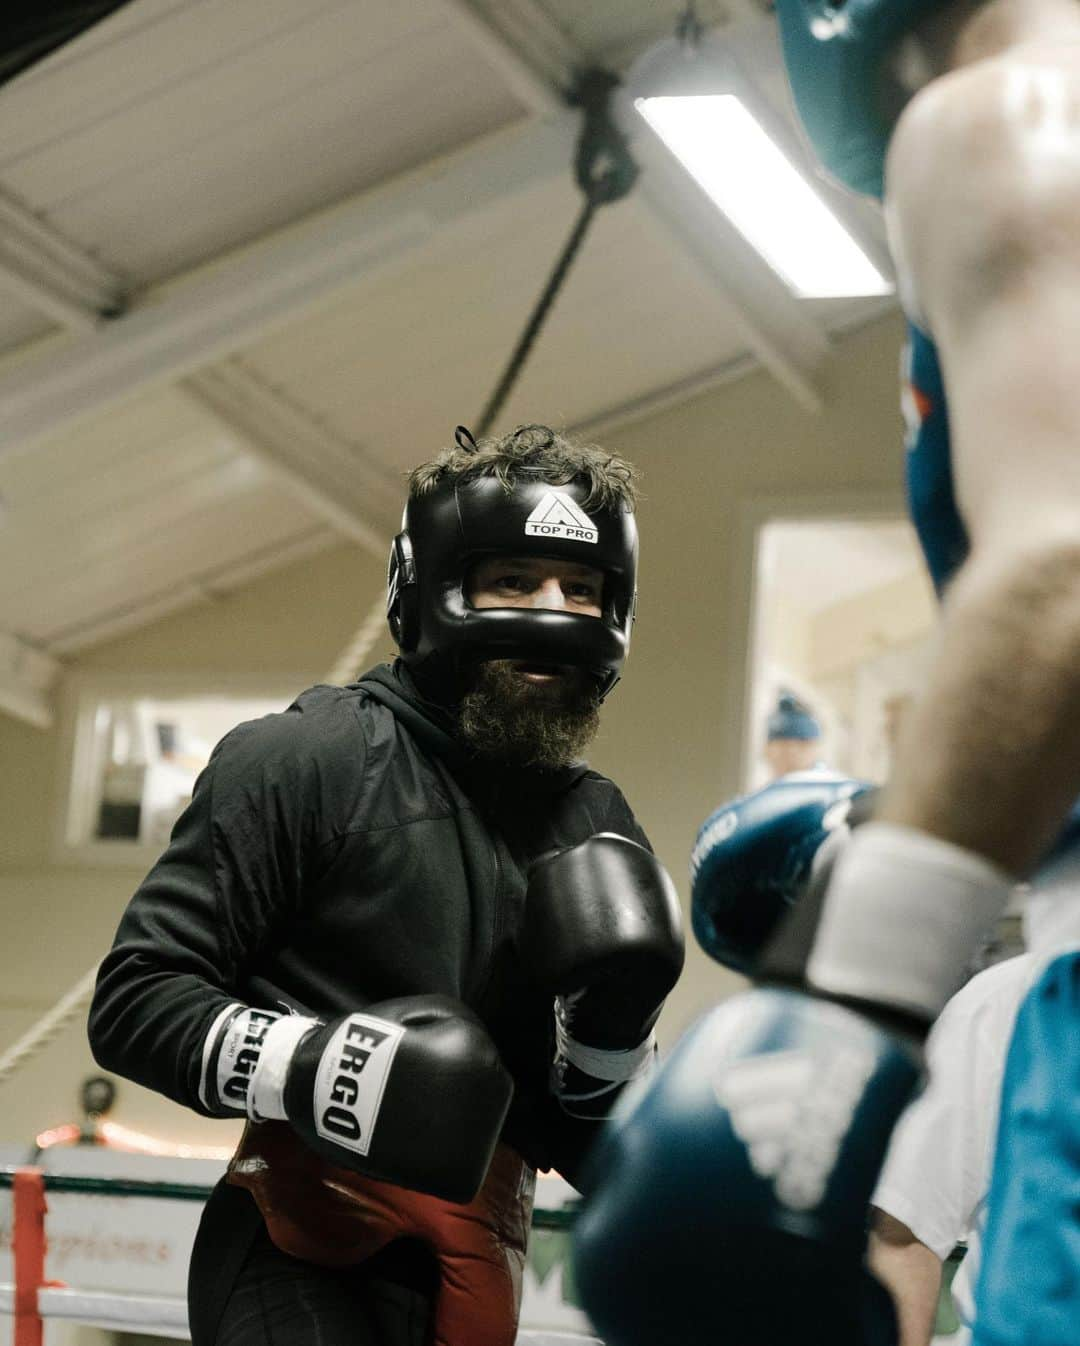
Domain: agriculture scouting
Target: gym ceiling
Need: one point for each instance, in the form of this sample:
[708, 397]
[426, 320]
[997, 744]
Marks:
[258, 257]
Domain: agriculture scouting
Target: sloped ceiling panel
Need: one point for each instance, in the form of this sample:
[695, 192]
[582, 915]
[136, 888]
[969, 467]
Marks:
[207, 125]
[127, 507]
[399, 362]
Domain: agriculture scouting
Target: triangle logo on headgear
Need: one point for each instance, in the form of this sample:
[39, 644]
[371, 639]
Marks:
[558, 515]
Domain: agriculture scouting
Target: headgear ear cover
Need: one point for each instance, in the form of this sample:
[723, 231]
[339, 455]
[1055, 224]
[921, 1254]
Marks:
[446, 531]
[836, 53]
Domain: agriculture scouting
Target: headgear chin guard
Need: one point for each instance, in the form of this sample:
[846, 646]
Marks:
[836, 53]
[441, 636]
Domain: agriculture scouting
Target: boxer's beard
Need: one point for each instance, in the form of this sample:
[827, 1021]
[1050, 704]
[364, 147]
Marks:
[524, 723]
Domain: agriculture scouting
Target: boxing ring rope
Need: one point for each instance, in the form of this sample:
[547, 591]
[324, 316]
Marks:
[49, 1026]
[350, 661]
[31, 1299]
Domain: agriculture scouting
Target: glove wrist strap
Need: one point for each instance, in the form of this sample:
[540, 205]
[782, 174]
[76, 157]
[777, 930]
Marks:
[612, 1066]
[903, 916]
[266, 1096]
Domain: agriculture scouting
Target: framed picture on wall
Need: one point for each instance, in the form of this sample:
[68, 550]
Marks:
[133, 747]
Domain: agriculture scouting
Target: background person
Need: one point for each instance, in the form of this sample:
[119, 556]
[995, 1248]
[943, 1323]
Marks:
[932, 1191]
[792, 737]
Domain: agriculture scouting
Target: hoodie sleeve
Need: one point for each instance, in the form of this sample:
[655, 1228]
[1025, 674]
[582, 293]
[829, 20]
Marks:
[619, 817]
[234, 870]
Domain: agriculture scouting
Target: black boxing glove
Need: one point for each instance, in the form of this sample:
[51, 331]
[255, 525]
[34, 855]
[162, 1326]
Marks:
[603, 933]
[410, 1091]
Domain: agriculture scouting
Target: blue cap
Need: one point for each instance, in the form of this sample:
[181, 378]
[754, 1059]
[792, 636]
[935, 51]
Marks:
[792, 719]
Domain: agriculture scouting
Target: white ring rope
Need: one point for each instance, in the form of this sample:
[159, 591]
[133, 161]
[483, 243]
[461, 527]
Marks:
[349, 663]
[49, 1026]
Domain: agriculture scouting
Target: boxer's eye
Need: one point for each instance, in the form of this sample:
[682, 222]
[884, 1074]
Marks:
[582, 591]
[512, 583]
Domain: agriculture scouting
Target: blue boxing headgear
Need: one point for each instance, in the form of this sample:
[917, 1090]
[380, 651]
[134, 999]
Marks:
[836, 52]
[444, 532]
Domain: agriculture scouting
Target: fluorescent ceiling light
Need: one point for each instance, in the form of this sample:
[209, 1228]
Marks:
[763, 195]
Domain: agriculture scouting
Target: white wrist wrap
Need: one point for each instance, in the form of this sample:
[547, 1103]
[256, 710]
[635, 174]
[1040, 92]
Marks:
[613, 1067]
[211, 1043]
[904, 914]
[266, 1094]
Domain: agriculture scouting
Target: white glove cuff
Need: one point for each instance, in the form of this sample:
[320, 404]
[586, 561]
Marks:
[903, 916]
[266, 1093]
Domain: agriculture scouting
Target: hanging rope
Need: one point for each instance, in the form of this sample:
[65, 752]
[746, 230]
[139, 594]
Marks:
[689, 30]
[605, 172]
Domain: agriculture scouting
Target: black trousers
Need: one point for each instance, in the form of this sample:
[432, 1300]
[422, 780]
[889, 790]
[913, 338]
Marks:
[243, 1291]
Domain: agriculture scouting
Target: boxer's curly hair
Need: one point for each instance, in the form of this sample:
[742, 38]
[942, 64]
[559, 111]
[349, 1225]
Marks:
[533, 452]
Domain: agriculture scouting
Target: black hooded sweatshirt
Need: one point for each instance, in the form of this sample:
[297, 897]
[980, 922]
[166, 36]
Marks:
[343, 852]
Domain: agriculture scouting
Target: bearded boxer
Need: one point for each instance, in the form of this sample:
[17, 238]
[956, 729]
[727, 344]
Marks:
[967, 117]
[407, 933]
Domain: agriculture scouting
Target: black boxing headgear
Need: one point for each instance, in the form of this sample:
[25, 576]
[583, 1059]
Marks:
[446, 531]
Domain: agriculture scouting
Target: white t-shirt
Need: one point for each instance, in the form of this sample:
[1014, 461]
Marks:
[937, 1170]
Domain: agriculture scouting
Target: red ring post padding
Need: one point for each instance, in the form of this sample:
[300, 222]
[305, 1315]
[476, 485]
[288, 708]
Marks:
[28, 1251]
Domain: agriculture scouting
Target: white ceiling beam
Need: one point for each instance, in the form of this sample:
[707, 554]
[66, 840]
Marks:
[52, 275]
[204, 587]
[359, 497]
[233, 301]
[27, 677]
[745, 9]
[523, 44]
[601, 424]
[531, 71]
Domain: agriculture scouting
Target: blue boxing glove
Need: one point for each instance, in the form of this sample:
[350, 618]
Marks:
[844, 85]
[753, 857]
[728, 1200]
